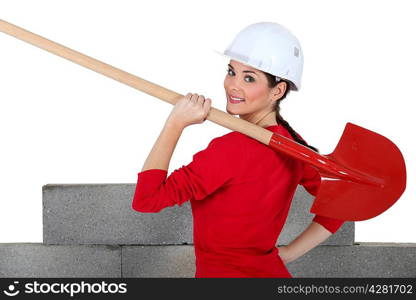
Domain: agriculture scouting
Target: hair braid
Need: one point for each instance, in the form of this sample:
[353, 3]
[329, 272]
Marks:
[279, 119]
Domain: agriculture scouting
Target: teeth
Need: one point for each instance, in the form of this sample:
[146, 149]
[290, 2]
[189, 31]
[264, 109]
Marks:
[237, 99]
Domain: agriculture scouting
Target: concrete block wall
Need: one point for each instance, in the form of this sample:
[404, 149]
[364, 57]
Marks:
[90, 230]
[102, 214]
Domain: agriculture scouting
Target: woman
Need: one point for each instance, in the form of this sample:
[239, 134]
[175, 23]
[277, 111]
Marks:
[239, 189]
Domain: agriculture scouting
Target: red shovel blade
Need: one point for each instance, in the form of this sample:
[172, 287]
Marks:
[363, 177]
[367, 152]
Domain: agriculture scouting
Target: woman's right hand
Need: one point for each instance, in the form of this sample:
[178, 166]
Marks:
[285, 255]
[190, 109]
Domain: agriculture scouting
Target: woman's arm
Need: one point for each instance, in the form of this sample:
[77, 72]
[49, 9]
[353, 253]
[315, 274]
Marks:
[161, 153]
[313, 235]
[320, 228]
[191, 109]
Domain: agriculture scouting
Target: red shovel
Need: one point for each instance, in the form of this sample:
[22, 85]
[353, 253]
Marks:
[360, 179]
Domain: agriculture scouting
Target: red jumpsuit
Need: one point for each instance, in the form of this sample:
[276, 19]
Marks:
[240, 192]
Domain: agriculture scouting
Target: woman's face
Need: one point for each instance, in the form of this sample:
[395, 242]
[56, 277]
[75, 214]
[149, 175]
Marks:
[247, 91]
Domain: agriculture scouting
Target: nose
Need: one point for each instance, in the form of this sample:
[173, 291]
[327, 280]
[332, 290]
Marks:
[233, 85]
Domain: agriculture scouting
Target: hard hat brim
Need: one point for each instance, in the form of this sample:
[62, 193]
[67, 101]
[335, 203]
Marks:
[292, 85]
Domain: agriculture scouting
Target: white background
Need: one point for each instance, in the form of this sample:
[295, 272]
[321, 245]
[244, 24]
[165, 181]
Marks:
[62, 123]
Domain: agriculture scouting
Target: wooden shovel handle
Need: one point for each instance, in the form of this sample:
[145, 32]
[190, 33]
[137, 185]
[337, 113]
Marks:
[217, 116]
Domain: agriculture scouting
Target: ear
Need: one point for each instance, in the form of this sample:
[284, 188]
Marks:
[278, 91]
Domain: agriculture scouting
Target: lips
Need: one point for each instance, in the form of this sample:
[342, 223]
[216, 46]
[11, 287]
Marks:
[235, 100]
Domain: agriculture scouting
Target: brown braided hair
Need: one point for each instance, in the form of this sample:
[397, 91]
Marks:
[279, 119]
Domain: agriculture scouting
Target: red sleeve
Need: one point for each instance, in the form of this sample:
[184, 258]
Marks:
[311, 181]
[210, 169]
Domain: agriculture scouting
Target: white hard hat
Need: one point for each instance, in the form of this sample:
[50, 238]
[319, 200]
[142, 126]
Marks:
[271, 48]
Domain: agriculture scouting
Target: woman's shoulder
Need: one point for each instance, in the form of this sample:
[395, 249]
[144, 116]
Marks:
[226, 149]
[238, 141]
[229, 145]
[232, 139]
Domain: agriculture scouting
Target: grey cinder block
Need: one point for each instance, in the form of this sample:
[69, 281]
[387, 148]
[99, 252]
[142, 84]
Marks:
[102, 214]
[158, 261]
[38, 260]
[364, 260]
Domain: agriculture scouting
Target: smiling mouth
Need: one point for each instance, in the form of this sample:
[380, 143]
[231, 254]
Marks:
[235, 100]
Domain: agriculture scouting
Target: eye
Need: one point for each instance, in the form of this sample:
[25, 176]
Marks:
[251, 78]
[231, 73]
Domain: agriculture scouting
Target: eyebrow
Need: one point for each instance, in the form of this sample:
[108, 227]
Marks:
[246, 71]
